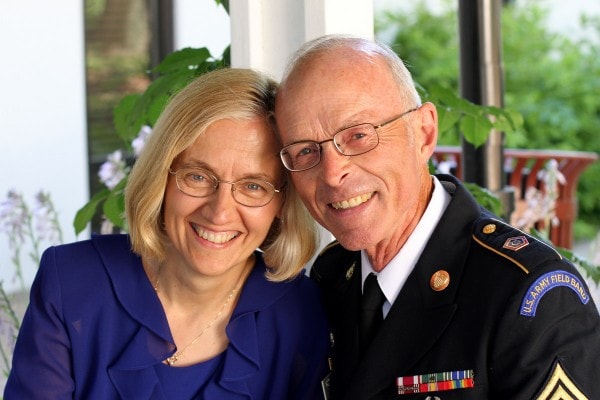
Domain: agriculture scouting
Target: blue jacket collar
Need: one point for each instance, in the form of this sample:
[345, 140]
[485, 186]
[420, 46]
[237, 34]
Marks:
[133, 373]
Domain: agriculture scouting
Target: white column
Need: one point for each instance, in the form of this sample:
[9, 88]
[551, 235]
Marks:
[264, 33]
[42, 109]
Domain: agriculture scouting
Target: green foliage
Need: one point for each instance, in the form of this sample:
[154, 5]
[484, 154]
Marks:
[174, 72]
[485, 198]
[429, 40]
[455, 114]
[551, 80]
[137, 110]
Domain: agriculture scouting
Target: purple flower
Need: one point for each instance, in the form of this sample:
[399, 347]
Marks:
[46, 218]
[113, 170]
[14, 217]
[139, 142]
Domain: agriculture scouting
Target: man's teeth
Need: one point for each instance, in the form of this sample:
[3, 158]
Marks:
[215, 237]
[353, 202]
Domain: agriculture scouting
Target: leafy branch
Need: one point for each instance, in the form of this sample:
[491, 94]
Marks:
[136, 111]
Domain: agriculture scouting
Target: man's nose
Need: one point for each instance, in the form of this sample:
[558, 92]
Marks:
[333, 164]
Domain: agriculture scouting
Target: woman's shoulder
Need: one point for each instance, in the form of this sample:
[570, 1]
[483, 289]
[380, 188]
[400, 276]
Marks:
[85, 262]
[261, 293]
[95, 243]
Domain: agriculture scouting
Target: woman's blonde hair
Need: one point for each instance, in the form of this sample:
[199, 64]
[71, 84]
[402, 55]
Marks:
[230, 93]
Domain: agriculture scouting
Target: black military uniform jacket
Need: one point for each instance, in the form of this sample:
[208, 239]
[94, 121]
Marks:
[508, 308]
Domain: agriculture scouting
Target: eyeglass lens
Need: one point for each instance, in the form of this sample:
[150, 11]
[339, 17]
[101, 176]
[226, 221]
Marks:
[349, 142]
[246, 191]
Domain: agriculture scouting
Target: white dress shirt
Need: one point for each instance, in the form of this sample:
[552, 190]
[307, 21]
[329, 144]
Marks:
[391, 279]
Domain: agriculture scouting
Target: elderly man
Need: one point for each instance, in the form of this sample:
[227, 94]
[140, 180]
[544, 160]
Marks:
[464, 305]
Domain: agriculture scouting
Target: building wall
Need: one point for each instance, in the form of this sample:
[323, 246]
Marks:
[42, 111]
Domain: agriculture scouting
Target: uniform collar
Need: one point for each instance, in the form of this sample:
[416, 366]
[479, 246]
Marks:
[392, 278]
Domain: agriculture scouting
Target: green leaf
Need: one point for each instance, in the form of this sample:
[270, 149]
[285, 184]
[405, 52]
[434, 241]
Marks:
[128, 117]
[224, 3]
[166, 85]
[87, 212]
[155, 108]
[184, 59]
[114, 205]
[485, 198]
[447, 119]
[114, 209]
[475, 130]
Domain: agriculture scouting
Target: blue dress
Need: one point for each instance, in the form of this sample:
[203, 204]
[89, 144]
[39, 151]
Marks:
[95, 329]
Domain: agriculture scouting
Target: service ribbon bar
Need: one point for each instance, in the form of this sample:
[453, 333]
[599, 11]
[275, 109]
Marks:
[438, 381]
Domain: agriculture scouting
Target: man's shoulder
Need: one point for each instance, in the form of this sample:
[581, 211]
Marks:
[521, 249]
[333, 262]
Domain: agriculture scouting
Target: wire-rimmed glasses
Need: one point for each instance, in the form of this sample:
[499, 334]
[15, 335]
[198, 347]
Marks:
[351, 141]
[249, 192]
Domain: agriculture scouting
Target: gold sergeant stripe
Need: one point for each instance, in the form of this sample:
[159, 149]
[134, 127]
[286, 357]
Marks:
[501, 254]
[560, 387]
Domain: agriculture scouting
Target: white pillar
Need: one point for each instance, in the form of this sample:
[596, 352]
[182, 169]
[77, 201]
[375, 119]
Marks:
[43, 113]
[264, 33]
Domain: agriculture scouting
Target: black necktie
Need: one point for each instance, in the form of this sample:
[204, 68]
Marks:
[371, 313]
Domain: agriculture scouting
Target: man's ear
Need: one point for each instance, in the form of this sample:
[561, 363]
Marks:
[428, 125]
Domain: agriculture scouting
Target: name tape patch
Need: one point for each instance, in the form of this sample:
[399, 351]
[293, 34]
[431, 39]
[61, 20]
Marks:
[547, 282]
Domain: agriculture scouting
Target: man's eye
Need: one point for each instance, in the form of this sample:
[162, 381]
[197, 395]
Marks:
[358, 135]
[305, 151]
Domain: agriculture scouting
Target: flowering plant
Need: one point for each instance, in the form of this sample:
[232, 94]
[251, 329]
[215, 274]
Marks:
[26, 228]
[540, 205]
[134, 117]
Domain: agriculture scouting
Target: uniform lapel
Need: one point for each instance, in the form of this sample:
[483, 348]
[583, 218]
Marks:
[337, 271]
[410, 329]
[420, 314]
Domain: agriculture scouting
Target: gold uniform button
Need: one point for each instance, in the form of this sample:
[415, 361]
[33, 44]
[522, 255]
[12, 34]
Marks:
[489, 228]
[439, 280]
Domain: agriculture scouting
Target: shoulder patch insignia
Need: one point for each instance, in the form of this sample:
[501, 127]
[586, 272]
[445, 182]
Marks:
[559, 386]
[516, 243]
[508, 242]
[547, 282]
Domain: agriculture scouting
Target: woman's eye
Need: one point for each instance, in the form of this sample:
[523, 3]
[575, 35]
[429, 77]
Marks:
[253, 186]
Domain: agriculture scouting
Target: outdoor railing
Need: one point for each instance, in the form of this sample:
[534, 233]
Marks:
[522, 168]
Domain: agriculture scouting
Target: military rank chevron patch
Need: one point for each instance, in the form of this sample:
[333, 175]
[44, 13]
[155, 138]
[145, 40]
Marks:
[560, 387]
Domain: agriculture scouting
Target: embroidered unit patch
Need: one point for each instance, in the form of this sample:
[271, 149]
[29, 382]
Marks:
[549, 281]
[516, 243]
[560, 387]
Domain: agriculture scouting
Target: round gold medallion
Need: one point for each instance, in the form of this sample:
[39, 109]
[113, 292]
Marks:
[439, 280]
[489, 228]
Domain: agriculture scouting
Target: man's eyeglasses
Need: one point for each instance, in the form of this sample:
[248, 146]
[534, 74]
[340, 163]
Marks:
[250, 192]
[352, 141]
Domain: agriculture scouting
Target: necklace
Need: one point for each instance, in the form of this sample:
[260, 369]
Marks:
[175, 357]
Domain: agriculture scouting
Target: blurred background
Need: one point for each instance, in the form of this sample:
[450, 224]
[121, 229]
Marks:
[66, 64]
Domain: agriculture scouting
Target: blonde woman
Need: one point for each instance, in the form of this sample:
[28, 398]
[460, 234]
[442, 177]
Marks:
[186, 306]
